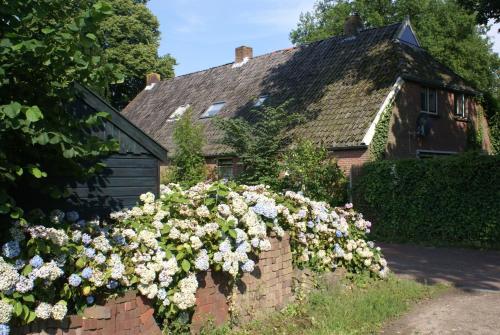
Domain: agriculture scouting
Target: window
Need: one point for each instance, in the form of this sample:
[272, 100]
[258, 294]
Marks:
[428, 101]
[461, 108]
[424, 154]
[213, 110]
[225, 168]
[178, 112]
[260, 100]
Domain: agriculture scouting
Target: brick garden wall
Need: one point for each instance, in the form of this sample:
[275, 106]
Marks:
[268, 288]
[129, 314]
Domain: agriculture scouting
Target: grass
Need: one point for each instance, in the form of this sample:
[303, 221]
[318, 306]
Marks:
[359, 307]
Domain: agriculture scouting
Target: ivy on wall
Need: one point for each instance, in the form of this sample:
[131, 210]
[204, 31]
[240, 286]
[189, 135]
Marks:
[448, 201]
[379, 141]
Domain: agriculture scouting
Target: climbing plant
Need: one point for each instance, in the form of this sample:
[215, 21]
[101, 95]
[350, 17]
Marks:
[379, 141]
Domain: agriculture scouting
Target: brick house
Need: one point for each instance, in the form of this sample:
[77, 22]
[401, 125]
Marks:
[344, 84]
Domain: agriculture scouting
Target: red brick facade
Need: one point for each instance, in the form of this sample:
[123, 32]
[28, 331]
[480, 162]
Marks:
[129, 314]
[268, 288]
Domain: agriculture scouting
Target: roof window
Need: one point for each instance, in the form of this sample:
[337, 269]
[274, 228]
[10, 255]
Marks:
[260, 100]
[179, 112]
[214, 109]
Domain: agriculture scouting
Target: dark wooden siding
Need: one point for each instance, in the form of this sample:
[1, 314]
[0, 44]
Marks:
[124, 179]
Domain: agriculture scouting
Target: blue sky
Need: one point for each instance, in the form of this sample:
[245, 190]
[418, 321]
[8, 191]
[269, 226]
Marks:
[203, 33]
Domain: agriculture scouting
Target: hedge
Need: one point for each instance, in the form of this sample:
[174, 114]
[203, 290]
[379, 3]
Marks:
[449, 201]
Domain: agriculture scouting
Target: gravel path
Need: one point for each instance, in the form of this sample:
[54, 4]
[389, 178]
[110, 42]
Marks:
[471, 307]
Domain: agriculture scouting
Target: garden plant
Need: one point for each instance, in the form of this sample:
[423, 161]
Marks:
[58, 264]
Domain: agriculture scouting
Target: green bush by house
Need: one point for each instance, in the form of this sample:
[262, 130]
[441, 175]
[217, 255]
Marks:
[452, 201]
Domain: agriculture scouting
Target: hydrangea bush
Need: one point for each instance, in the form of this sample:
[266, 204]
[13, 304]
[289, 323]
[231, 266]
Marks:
[58, 263]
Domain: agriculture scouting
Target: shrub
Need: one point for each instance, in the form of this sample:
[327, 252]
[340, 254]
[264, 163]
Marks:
[258, 143]
[188, 162]
[441, 201]
[307, 168]
[160, 245]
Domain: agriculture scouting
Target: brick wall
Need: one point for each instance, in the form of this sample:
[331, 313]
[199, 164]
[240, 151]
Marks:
[129, 314]
[268, 288]
[349, 158]
[446, 131]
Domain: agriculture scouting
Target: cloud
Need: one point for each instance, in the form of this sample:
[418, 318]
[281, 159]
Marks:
[281, 15]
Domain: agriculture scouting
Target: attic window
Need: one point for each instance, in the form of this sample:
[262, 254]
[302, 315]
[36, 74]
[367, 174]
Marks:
[179, 112]
[214, 109]
[260, 100]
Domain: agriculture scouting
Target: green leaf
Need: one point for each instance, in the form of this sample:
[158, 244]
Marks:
[80, 263]
[47, 30]
[12, 110]
[232, 233]
[18, 308]
[186, 265]
[29, 298]
[31, 317]
[33, 114]
[91, 36]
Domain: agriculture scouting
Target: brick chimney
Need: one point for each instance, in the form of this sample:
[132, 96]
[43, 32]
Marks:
[241, 53]
[353, 25]
[152, 78]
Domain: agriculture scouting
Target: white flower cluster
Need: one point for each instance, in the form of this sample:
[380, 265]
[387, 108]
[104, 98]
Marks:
[161, 244]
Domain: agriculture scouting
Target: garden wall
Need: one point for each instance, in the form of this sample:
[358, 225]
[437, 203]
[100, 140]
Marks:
[268, 288]
[129, 314]
[450, 201]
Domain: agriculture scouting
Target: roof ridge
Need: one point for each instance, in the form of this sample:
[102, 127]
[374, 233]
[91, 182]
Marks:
[283, 50]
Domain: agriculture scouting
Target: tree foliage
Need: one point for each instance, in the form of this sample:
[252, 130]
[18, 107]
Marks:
[45, 46]
[484, 9]
[259, 143]
[309, 169]
[448, 31]
[131, 38]
[188, 162]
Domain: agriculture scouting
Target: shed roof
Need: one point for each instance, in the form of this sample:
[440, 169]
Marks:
[340, 83]
[121, 122]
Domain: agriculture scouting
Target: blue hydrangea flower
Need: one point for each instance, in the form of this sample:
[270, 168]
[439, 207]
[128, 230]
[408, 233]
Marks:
[19, 264]
[11, 249]
[119, 239]
[90, 300]
[265, 208]
[81, 223]
[86, 238]
[72, 216]
[112, 284]
[87, 273]
[162, 294]
[90, 252]
[74, 280]
[338, 233]
[36, 261]
[310, 224]
[4, 329]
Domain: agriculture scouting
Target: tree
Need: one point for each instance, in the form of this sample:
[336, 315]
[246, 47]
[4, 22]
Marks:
[448, 31]
[131, 39]
[484, 9]
[45, 46]
[259, 143]
[309, 169]
[188, 162]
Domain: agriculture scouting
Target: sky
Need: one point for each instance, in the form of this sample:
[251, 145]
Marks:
[204, 33]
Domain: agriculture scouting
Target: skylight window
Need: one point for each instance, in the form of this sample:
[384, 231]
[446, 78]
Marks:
[260, 100]
[179, 112]
[214, 109]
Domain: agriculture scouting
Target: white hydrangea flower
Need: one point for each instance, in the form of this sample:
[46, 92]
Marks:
[43, 310]
[5, 311]
[59, 311]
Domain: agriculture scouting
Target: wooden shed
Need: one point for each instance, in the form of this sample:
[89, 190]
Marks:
[132, 171]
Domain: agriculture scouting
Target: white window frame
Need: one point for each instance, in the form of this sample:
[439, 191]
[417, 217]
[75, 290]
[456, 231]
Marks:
[427, 90]
[260, 100]
[179, 111]
[461, 99]
[206, 114]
